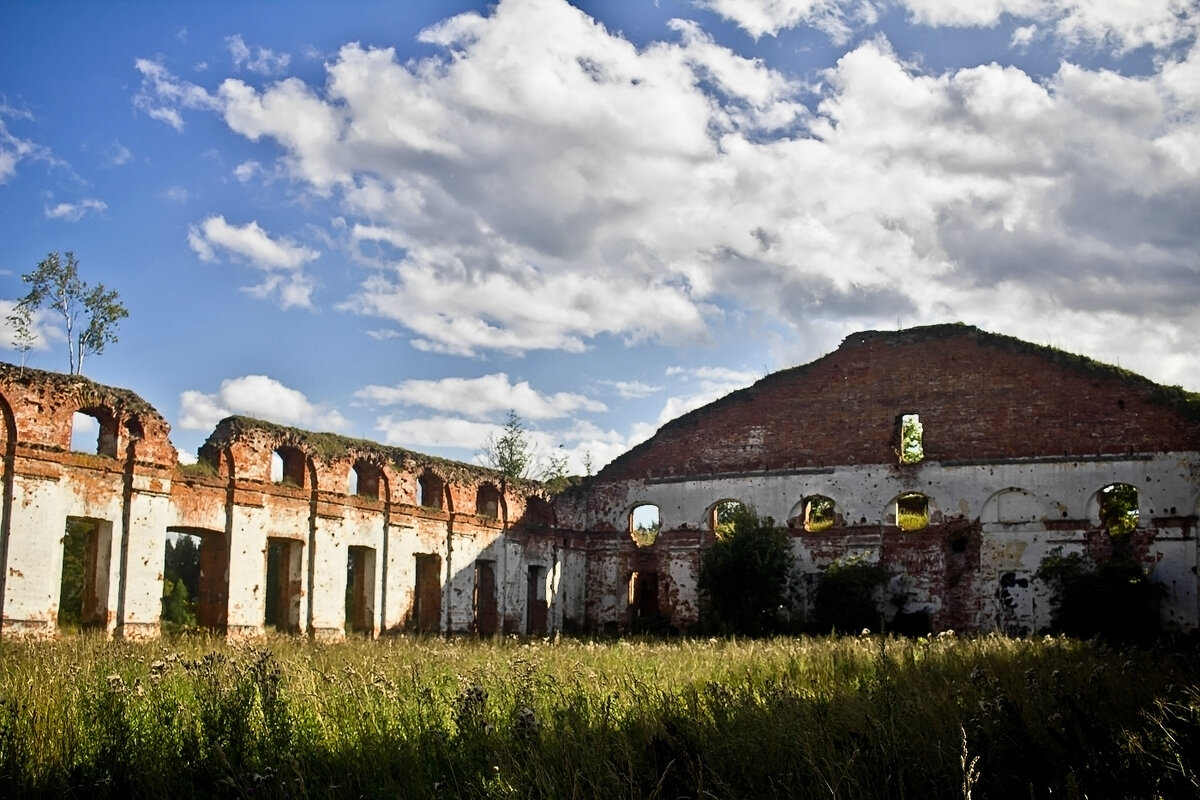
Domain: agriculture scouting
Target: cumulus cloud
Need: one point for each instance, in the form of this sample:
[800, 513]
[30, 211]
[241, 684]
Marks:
[280, 258]
[517, 191]
[261, 60]
[73, 212]
[484, 397]
[255, 396]
[1125, 26]
[759, 17]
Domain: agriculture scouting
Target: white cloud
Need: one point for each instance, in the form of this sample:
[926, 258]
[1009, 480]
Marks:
[13, 149]
[706, 384]
[161, 95]
[484, 397]
[261, 60]
[44, 328]
[759, 17]
[282, 259]
[633, 390]
[1124, 24]
[520, 191]
[73, 212]
[255, 396]
[435, 432]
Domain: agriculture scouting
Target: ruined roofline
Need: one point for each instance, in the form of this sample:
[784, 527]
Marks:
[89, 392]
[328, 447]
[1175, 398]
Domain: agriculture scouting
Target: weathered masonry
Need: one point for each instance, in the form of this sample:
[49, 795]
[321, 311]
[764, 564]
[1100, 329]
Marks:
[954, 458]
[298, 531]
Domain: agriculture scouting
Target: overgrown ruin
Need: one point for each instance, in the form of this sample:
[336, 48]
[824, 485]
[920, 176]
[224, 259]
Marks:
[955, 459]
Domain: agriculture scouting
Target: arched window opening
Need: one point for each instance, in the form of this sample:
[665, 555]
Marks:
[912, 511]
[431, 490]
[364, 480]
[1119, 509]
[912, 447]
[93, 430]
[487, 501]
[289, 469]
[818, 513]
[644, 524]
[723, 514]
[538, 513]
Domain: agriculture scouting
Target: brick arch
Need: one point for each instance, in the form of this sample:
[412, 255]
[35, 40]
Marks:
[432, 481]
[713, 510]
[109, 420]
[372, 469]
[889, 515]
[798, 517]
[486, 494]
[1094, 503]
[1013, 504]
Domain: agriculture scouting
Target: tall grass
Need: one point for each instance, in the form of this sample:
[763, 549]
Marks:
[830, 717]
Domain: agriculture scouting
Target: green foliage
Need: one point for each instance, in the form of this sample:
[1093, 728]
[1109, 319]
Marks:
[511, 451]
[177, 609]
[912, 450]
[744, 576]
[70, 596]
[181, 581]
[847, 598]
[1119, 509]
[90, 314]
[1112, 599]
[813, 717]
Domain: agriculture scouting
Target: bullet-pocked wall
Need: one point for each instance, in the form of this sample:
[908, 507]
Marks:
[297, 531]
[954, 458]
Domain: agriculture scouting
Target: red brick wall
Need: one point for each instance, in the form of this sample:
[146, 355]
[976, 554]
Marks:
[979, 396]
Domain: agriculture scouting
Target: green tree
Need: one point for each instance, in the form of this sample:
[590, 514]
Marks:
[744, 575]
[90, 314]
[511, 451]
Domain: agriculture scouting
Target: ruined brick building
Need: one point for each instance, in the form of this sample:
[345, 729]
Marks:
[954, 458]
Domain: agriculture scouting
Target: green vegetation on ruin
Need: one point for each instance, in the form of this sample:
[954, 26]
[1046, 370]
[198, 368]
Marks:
[852, 717]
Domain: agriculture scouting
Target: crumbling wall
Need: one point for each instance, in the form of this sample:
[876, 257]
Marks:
[306, 532]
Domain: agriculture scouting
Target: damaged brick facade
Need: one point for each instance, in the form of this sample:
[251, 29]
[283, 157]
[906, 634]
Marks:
[955, 459]
[1016, 444]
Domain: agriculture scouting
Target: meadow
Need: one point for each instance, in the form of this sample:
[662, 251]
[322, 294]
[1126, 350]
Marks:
[849, 717]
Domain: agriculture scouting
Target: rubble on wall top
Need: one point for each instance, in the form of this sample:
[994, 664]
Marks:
[86, 390]
[332, 446]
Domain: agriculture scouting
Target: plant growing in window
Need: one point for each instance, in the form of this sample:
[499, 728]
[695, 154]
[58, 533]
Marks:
[912, 451]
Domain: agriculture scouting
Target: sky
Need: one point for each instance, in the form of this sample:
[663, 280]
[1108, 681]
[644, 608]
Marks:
[400, 221]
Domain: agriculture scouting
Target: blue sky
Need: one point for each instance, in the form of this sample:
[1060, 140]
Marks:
[398, 221]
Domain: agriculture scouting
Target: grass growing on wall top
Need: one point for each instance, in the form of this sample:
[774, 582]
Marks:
[410, 717]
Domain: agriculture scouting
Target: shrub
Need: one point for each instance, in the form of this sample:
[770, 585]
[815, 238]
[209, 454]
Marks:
[1113, 599]
[744, 574]
[848, 596]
